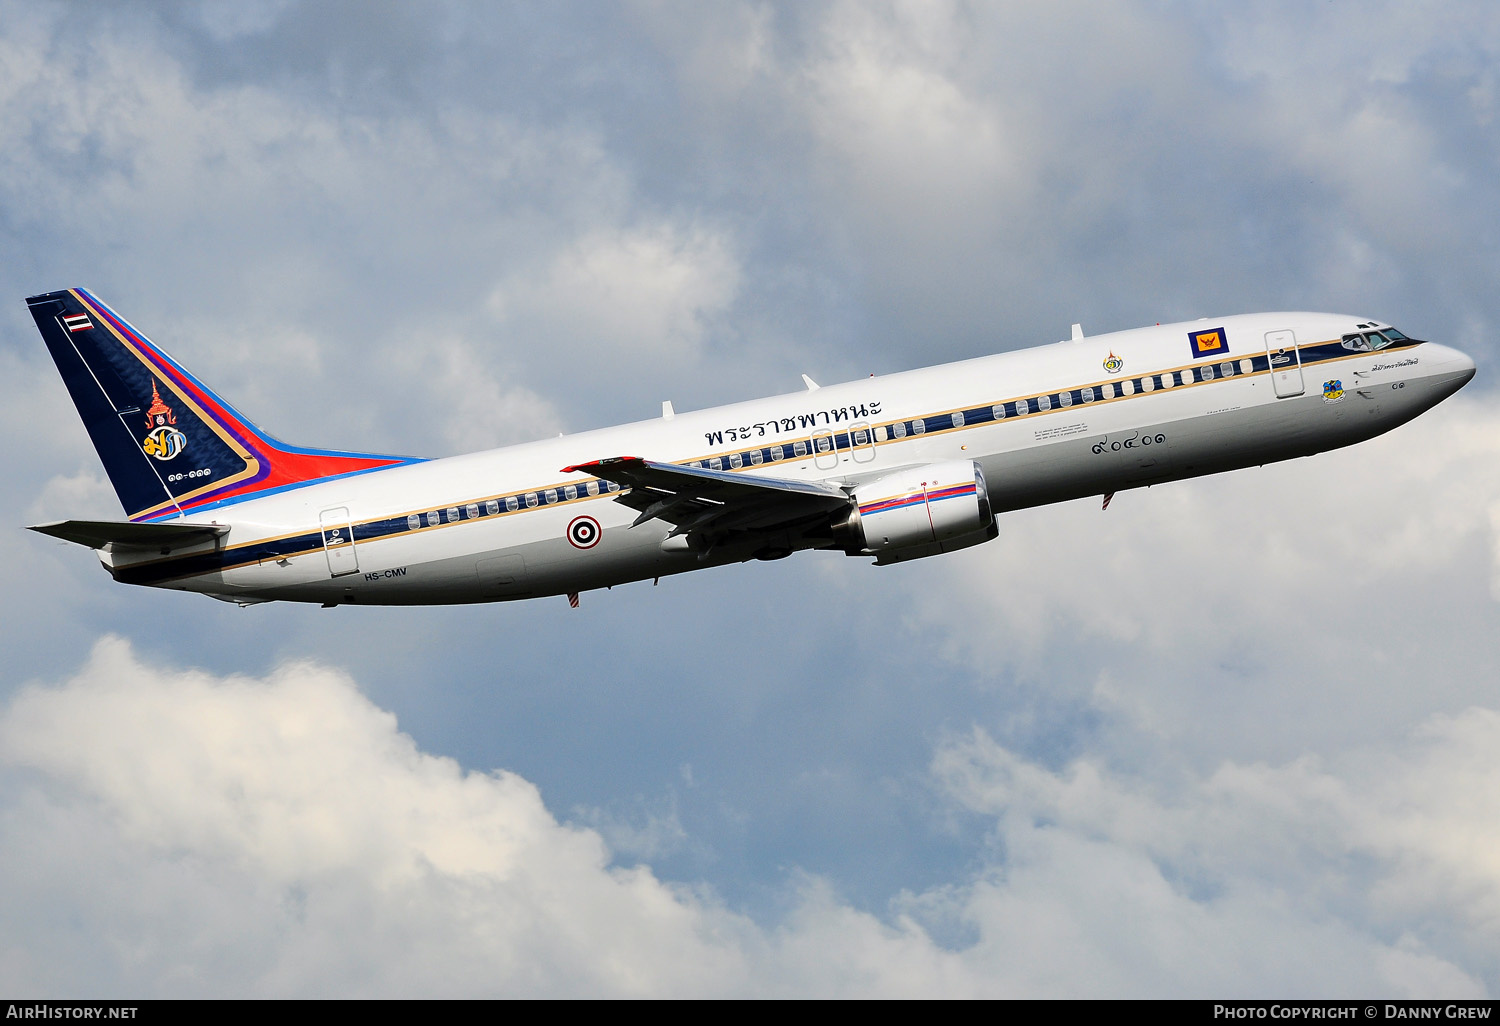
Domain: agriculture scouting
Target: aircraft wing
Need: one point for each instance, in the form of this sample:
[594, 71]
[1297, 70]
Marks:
[714, 503]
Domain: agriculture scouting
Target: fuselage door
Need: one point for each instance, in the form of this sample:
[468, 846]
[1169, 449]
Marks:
[1286, 364]
[338, 541]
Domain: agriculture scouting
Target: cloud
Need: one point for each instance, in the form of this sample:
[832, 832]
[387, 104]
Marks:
[229, 835]
[346, 859]
[614, 300]
[1372, 876]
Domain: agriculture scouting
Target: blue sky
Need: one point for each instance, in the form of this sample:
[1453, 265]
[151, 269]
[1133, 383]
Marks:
[1233, 737]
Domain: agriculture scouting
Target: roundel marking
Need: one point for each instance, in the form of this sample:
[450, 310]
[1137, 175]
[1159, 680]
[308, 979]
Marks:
[584, 532]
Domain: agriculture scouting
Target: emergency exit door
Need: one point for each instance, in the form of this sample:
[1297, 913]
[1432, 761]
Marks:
[338, 541]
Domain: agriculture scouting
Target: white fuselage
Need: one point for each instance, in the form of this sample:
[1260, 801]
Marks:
[444, 530]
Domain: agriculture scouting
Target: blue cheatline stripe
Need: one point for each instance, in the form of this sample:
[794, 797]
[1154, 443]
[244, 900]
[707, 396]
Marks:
[1207, 371]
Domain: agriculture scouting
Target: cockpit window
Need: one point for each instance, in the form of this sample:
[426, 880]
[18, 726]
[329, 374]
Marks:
[1370, 341]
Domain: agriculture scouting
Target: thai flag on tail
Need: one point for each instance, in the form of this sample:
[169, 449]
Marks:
[77, 322]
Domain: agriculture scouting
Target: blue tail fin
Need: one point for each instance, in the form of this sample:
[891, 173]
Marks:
[168, 443]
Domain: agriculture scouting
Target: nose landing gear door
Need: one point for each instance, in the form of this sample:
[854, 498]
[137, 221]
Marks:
[1286, 364]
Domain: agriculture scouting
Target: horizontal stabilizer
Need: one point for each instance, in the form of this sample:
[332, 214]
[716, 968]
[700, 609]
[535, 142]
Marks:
[98, 534]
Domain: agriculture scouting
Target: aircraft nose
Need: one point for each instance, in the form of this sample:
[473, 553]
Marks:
[1451, 363]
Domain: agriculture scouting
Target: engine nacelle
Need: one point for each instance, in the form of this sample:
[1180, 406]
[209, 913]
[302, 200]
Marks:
[918, 512]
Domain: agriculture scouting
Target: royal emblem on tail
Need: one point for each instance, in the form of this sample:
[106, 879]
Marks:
[164, 441]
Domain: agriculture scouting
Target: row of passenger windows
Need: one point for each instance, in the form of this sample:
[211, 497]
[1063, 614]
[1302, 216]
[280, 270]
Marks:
[755, 457]
[822, 442]
[1108, 390]
[491, 507]
[860, 435]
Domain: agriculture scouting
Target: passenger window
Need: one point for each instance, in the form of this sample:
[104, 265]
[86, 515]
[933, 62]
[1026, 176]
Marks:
[861, 437]
[919, 427]
[899, 429]
[1206, 372]
[511, 504]
[799, 447]
[777, 453]
[551, 496]
[1088, 394]
[736, 462]
[472, 510]
[1022, 407]
[452, 514]
[531, 499]
[716, 464]
[1247, 365]
[958, 418]
[998, 411]
[492, 508]
[570, 492]
[756, 459]
[1043, 403]
[414, 522]
[1127, 387]
[1065, 399]
[880, 434]
[1147, 384]
[1168, 379]
[592, 487]
[823, 442]
[1226, 369]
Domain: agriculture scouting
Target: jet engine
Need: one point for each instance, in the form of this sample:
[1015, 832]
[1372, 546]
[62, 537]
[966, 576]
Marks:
[916, 512]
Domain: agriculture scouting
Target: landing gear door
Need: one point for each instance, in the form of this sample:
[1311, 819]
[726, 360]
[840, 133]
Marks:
[338, 541]
[1286, 364]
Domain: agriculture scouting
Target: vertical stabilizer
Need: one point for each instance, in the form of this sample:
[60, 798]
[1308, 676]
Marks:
[168, 443]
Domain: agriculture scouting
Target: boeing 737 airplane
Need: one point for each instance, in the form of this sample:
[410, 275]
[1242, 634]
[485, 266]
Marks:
[895, 467]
